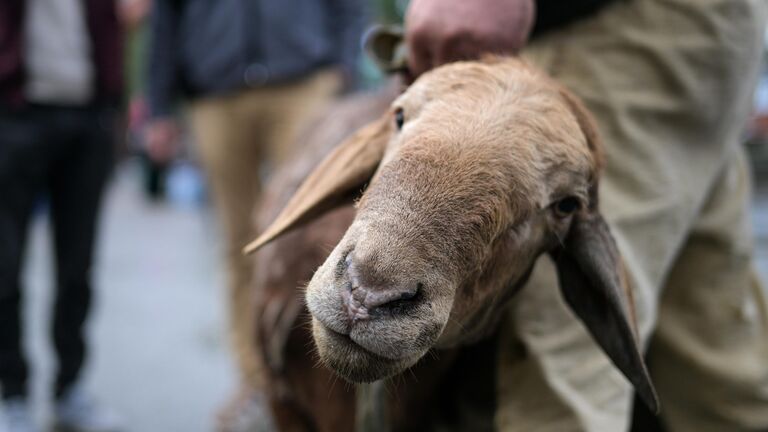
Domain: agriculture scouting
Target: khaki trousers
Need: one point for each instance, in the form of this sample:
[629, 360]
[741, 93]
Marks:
[239, 137]
[670, 82]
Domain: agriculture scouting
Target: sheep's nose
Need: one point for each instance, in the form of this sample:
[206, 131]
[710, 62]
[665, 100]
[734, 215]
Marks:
[367, 296]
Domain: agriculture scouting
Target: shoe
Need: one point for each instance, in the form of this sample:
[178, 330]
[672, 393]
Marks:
[75, 412]
[18, 417]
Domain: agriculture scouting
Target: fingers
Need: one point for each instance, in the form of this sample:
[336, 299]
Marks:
[420, 54]
[427, 51]
[162, 140]
[461, 46]
[419, 38]
[442, 31]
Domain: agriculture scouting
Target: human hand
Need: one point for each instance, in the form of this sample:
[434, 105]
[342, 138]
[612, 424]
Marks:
[132, 13]
[441, 31]
[162, 139]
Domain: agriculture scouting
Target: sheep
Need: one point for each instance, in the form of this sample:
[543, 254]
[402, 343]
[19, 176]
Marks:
[297, 390]
[472, 174]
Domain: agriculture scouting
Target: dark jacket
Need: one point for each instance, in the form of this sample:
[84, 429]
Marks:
[210, 47]
[106, 45]
[555, 14]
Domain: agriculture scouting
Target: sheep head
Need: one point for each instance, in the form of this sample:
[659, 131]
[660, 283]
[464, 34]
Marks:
[477, 170]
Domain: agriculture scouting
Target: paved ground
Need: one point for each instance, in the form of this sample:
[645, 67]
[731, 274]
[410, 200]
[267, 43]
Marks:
[159, 354]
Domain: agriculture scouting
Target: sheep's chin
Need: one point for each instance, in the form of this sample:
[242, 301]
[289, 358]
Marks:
[351, 361]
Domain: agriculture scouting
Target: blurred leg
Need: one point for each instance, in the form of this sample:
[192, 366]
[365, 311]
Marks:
[76, 183]
[292, 108]
[231, 156]
[23, 162]
[709, 355]
[670, 84]
[239, 135]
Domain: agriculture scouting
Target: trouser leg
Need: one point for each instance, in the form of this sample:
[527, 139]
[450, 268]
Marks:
[709, 355]
[238, 136]
[23, 161]
[292, 109]
[670, 99]
[231, 156]
[76, 183]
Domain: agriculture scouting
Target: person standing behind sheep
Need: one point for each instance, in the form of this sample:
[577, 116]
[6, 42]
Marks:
[60, 90]
[670, 83]
[254, 71]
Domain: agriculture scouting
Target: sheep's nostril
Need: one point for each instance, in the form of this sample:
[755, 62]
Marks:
[409, 295]
[390, 301]
[366, 294]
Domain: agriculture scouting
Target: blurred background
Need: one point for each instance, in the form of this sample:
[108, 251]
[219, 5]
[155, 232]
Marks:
[159, 351]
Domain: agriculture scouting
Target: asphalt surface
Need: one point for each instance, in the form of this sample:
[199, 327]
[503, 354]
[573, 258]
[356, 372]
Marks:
[159, 356]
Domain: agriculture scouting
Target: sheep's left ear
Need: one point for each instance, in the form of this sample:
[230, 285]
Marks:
[592, 276]
[594, 284]
[337, 180]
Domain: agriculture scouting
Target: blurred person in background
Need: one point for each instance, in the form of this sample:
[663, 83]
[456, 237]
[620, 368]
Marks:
[60, 85]
[135, 17]
[253, 72]
[670, 83]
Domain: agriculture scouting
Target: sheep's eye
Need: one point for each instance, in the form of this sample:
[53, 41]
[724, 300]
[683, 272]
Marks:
[566, 206]
[399, 118]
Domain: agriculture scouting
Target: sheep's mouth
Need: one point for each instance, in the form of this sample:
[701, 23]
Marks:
[348, 343]
[350, 360]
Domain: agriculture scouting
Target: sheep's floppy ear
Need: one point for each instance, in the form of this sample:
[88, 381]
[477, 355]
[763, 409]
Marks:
[338, 178]
[594, 285]
[593, 280]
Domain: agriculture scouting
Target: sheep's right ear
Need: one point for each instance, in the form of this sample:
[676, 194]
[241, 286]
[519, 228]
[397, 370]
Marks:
[337, 180]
